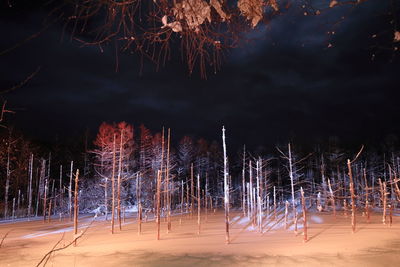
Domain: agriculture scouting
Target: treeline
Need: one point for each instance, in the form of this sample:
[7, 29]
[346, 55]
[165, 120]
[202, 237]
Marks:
[126, 168]
[39, 172]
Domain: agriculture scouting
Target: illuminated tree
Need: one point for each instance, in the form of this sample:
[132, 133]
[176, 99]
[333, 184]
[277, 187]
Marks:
[123, 135]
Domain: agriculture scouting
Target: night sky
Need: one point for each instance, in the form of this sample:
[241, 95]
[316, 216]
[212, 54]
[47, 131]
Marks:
[286, 84]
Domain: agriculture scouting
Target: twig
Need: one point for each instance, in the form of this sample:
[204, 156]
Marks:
[21, 84]
[54, 249]
[4, 237]
[358, 154]
[62, 237]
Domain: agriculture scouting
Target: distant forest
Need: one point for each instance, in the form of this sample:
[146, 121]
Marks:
[128, 159]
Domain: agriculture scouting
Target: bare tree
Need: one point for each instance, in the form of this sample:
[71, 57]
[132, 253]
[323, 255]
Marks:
[226, 189]
[76, 206]
[303, 205]
[352, 191]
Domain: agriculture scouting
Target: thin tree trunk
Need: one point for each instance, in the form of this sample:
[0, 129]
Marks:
[30, 187]
[206, 197]
[45, 201]
[258, 197]
[113, 188]
[182, 197]
[292, 188]
[140, 207]
[76, 206]
[49, 217]
[366, 196]
[167, 185]
[353, 198]
[119, 181]
[286, 213]
[384, 199]
[191, 191]
[303, 204]
[226, 189]
[38, 195]
[60, 198]
[53, 194]
[274, 203]
[324, 183]
[158, 219]
[8, 175]
[106, 197]
[248, 201]
[138, 202]
[70, 190]
[18, 203]
[243, 182]
[13, 209]
[198, 204]
[251, 193]
[332, 198]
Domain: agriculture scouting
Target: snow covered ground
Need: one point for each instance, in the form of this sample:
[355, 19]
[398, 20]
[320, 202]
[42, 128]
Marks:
[331, 242]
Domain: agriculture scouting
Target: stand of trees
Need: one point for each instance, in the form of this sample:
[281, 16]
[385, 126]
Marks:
[128, 170]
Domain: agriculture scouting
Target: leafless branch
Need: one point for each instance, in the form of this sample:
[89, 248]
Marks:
[358, 154]
[4, 237]
[54, 249]
[21, 84]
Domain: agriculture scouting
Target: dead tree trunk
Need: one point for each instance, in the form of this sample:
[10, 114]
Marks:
[158, 219]
[38, 195]
[324, 183]
[191, 191]
[366, 196]
[13, 209]
[30, 187]
[70, 191]
[187, 197]
[45, 201]
[353, 198]
[206, 197]
[49, 217]
[18, 203]
[345, 208]
[162, 165]
[76, 206]
[168, 184]
[259, 215]
[119, 181]
[226, 189]
[383, 199]
[106, 198]
[248, 201]
[139, 204]
[332, 198]
[243, 182]
[286, 213]
[292, 188]
[182, 201]
[274, 203]
[60, 194]
[113, 188]
[303, 204]
[198, 204]
[8, 175]
[251, 193]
